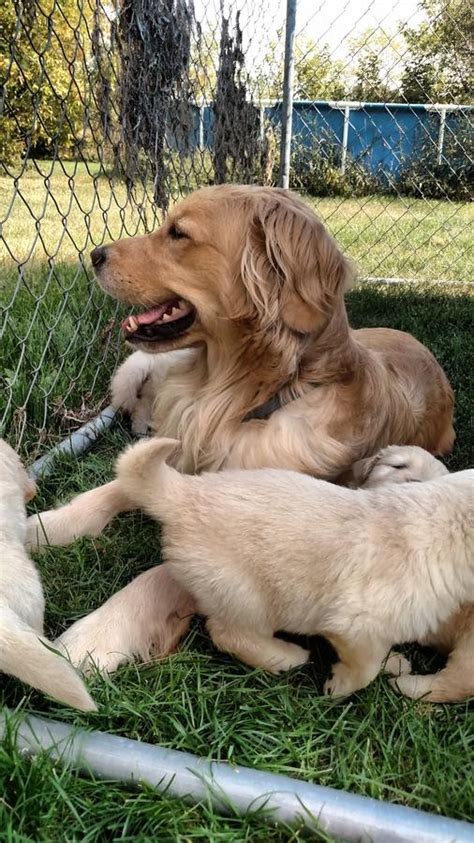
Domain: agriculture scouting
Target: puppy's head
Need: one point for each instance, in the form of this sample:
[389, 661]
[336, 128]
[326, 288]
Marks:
[397, 464]
[225, 258]
[12, 469]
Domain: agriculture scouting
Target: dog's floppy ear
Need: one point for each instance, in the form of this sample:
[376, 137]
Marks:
[361, 470]
[291, 267]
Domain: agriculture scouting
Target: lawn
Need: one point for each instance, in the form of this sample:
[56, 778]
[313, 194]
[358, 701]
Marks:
[59, 341]
[64, 209]
[199, 700]
[59, 348]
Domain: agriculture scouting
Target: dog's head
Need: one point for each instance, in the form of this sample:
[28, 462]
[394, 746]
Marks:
[396, 464]
[225, 257]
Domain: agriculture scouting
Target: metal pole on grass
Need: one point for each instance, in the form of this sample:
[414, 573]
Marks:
[287, 104]
[77, 443]
[232, 789]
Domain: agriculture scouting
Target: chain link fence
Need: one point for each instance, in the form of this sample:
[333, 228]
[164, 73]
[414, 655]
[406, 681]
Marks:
[112, 111]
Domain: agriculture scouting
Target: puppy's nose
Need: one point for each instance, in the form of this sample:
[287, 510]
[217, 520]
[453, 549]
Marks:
[98, 256]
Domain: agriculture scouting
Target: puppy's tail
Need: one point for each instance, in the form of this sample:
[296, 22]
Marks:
[145, 477]
[30, 657]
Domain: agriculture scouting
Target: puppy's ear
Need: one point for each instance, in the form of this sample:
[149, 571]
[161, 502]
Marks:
[361, 470]
[291, 267]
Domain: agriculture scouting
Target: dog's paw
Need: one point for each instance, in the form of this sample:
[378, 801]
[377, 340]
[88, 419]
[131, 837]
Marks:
[342, 681]
[88, 644]
[397, 665]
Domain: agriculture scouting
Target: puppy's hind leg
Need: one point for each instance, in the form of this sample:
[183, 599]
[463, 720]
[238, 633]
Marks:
[454, 683]
[360, 662]
[86, 515]
[256, 648]
[145, 620]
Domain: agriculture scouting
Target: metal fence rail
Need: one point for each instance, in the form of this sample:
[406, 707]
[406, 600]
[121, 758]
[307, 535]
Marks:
[112, 111]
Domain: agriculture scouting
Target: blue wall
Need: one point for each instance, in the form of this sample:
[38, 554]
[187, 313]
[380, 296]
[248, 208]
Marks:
[383, 138]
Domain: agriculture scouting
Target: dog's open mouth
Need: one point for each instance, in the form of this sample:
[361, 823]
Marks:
[165, 321]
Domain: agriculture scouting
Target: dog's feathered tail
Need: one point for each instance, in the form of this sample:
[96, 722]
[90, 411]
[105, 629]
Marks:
[146, 478]
[28, 656]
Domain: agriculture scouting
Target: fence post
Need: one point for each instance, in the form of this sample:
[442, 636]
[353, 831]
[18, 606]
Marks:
[287, 104]
[201, 127]
[442, 125]
[345, 138]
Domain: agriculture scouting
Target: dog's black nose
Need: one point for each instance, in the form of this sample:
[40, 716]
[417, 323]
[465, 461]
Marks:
[98, 256]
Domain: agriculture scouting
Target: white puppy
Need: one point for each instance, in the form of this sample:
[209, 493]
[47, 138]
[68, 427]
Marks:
[24, 652]
[268, 550]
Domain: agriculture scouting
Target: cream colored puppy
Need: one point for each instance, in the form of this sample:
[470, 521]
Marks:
[267, 550]
[24, 652]
[455, 637]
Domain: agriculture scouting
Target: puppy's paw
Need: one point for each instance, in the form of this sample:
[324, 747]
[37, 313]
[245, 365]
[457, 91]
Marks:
[412, 685]
[342, 682]
[397, 665]
[292, 655]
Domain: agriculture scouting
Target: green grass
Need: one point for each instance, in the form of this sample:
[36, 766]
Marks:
[202, 701]
[64, 209]
[59, 344]
[58, 350]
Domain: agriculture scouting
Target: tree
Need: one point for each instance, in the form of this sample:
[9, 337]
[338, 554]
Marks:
[376, 56]
[317, 75]
[439, 62]
[43, 67]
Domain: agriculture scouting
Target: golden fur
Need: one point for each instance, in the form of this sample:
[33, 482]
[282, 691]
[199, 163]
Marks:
[267, 284]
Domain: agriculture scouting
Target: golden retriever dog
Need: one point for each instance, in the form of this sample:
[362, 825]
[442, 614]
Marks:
[245, 352]
[268, 550]
[24, 651]
[455, 637]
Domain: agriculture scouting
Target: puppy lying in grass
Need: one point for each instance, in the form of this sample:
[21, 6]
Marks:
[24, 652]
[269, 550]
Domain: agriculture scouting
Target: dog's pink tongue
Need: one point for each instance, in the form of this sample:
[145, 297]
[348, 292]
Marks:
[151, 315]
[146, 318]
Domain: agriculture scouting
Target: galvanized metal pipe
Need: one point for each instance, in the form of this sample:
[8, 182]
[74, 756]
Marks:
[75, 444]
[240, 789]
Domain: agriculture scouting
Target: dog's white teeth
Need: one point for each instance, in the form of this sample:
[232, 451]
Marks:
[132, 324]
[175, 310]
[166, 317]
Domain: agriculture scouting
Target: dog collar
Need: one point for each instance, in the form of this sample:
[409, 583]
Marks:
[265, 410]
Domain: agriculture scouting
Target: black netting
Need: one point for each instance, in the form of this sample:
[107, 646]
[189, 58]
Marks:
[111, 111]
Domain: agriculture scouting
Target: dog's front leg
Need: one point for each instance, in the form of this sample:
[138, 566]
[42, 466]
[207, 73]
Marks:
[86, 515]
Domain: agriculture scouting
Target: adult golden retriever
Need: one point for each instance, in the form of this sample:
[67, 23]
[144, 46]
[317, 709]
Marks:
[250, 282]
